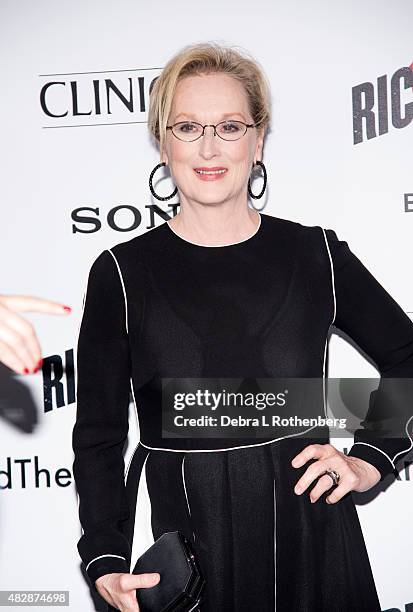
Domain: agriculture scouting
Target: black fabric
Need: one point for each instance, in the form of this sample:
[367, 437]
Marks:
[373, 319]
[159, 306]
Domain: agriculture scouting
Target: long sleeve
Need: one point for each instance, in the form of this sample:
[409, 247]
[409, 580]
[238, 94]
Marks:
[101, 427]
[367, 313]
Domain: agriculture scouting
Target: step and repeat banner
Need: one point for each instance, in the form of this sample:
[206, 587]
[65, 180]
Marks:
[75, 164]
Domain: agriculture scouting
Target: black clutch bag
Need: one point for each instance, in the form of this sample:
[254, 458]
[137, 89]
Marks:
[181, 582]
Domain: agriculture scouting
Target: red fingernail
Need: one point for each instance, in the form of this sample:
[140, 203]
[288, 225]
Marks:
[40, 363]
[67, 308]
[26, 371]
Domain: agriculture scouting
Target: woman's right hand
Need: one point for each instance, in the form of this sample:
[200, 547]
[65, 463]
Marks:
[119, 590]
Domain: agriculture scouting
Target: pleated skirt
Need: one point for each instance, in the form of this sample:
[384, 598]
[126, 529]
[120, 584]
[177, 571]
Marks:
[260, 546]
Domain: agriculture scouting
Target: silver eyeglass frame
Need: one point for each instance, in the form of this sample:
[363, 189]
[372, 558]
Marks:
[247, 125]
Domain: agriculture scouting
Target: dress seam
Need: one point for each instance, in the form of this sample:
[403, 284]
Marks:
[186, 494]
[123, 289]
[215, 450]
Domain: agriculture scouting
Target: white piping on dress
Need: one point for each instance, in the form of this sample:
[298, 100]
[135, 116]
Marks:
[123, 288]
[215, 450]
[101, 556]
[335, 311]
[332, 321]
[130, 461]
[127, 331]
[186, 494]
[134, 403]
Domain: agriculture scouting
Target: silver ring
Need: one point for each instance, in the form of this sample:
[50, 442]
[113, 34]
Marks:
[335, 476]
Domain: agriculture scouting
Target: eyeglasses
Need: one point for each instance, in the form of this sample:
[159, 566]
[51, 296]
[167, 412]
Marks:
[188, 131]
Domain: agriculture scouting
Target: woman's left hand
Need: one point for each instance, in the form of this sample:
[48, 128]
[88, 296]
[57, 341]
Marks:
[355, 474]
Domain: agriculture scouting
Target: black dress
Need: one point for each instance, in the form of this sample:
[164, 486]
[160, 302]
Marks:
[160, 306]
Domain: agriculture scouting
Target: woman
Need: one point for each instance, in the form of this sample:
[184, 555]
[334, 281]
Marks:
[224, 291]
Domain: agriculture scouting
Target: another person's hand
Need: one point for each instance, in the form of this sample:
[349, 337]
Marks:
[119, 590]
[19, 345]
[355, 474]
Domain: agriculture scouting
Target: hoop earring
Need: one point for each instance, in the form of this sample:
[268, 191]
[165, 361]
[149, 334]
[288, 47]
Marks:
[257, 197]
[158, 197]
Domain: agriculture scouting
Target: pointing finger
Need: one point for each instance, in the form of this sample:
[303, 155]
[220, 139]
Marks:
[29, 303]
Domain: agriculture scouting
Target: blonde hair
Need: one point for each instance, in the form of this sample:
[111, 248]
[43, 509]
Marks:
[204, 58]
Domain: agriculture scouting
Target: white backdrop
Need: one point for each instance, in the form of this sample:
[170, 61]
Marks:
[314, 54]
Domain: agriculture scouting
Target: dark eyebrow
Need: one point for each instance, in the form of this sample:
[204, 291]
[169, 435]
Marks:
[190, 116]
